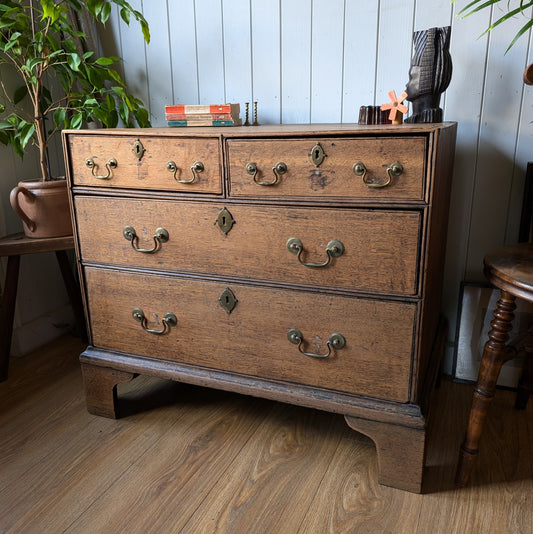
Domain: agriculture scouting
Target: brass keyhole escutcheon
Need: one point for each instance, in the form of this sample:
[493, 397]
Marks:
[224, 220]
[317, 154]
[228, 300]
[138, 149]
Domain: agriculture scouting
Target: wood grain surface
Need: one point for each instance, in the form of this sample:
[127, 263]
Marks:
[188, 459]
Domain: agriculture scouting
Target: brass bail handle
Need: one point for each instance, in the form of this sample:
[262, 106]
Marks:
[334, 249]
[160, 236]
[169, 320]
[278, 169]
[196, 168]
[110, 164]
[336, 341]
[395, 169]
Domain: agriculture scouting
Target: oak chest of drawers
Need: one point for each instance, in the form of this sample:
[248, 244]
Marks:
[297, 263]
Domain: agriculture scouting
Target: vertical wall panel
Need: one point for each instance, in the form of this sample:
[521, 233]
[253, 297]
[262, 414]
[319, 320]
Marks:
[266, 59]
[295, 61]
[360, 48]
[210, 50]
[327, 51]
[463, 104]
[394, 47]
[432, 14]
[237, 52]
[133, 52]
[183, 51]
[158, 61]
[497, 142]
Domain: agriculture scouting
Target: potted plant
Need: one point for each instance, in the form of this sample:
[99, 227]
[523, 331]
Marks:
[63, 84]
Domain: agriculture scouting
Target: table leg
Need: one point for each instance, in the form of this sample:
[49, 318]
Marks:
[7, 313]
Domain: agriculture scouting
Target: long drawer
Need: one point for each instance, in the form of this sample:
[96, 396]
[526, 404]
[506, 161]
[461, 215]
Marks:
[377, 169]
[253, 339]
[181, 164]
[376, 251]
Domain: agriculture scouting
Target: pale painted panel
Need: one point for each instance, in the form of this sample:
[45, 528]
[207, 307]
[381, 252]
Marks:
[158, 60]
[497, 143]
[266, 60]
[360, 49]
[237, 52]
[524, 154]
[463, 104]
[327, 60]
[183, 52]
[295, 61]
[394, 47]
[432, 14]
[133, 53]
[210, 51]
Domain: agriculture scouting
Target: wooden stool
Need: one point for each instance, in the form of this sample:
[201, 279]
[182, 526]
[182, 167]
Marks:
[510, 269]
[14, 246]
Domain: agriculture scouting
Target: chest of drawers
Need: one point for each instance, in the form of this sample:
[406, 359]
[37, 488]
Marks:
[297, 263]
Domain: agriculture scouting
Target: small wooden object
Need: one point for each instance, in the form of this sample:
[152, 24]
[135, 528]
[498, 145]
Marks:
[396, 107]
[510, 269]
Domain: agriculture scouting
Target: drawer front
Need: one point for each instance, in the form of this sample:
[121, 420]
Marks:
[381, 247]
[254, 172]
[253, 339]
[166, 163]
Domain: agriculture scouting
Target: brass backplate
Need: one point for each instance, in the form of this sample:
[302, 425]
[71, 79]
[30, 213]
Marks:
[138, 149]
[224, 220]
[228, 300]
[317, 154]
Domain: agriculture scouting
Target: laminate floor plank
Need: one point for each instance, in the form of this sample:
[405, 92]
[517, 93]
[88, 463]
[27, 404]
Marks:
[500, 497]
[270, 485]
[194, 460]
[163, 488]
[351, 500]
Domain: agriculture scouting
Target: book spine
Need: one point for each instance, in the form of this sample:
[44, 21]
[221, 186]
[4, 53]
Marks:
[206, 122]
[198, 116]
[201, 108]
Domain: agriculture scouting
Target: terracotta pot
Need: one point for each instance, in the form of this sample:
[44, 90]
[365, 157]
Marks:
[43, 207]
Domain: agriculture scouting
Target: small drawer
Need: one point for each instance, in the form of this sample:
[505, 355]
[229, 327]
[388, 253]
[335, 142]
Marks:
[375, 251]
[185, 165]
[376, 169]
[253, 338]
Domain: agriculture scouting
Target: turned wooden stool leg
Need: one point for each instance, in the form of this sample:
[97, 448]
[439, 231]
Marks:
[494, 356]
[7, 313]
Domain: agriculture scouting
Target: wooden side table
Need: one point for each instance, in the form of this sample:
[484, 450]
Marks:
[14, 246]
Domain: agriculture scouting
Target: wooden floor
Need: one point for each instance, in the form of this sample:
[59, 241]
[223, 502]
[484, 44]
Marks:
[193, 460]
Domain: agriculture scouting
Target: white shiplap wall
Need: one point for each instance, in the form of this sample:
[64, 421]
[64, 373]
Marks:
[312, 61]
[320, 60]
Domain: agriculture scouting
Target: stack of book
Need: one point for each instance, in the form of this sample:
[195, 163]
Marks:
[203, 115]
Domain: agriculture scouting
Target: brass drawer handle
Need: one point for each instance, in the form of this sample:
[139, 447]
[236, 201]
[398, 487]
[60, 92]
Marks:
[196, 168]
[168, 321]
[336, 341]
[160, 236]
[395, 169]
[334, 249]
[111, 164]
[278, 169]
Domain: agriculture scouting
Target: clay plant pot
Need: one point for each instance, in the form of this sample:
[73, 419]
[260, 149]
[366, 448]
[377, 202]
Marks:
[43, 207]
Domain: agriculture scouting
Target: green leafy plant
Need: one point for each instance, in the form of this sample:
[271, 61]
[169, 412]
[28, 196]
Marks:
[508, 12]
[66, 84]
